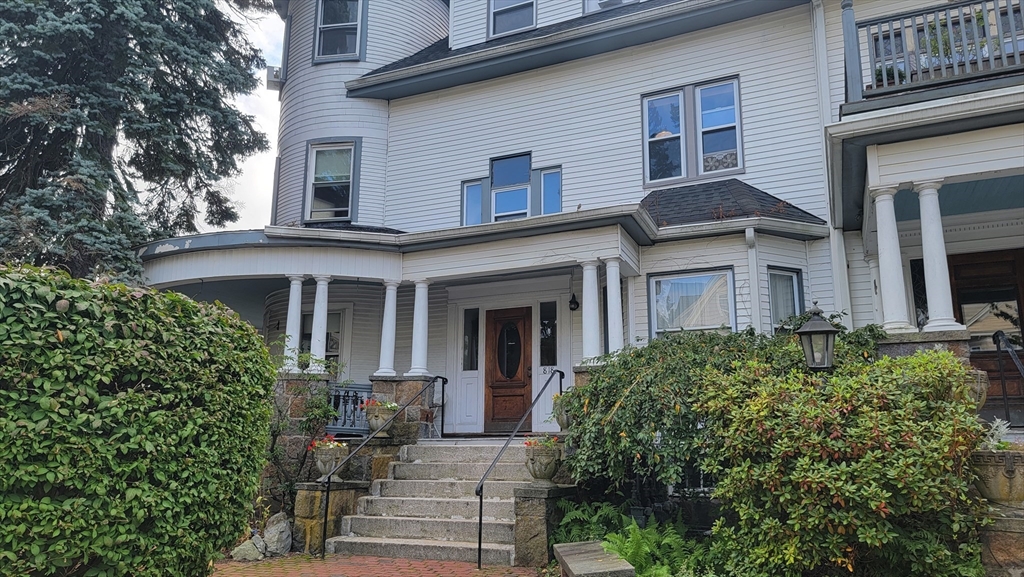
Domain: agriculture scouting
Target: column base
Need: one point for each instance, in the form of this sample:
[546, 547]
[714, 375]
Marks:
[385, 373]
[417, 373]
[898, 327]
[935, 325]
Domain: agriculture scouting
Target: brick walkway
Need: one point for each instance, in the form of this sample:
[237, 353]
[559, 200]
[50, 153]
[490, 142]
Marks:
[350, 566]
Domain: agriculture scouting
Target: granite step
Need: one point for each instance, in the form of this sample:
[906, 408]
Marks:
[493, 553]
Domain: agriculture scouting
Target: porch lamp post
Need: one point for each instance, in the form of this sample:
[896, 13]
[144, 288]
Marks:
[818, 339]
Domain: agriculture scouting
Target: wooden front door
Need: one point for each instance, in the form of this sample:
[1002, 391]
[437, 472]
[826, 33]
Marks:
[509, 369]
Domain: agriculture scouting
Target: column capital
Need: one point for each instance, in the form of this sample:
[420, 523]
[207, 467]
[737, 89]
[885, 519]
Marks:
[613, 259]
[322, 278]
[391, 283]
[933, 185]
[296, 277]
[877, 192]
[589, 263]
[846, 4]
[422, 282]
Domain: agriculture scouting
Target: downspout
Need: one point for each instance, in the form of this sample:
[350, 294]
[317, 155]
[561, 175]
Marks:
[837, 246]
[754, 276]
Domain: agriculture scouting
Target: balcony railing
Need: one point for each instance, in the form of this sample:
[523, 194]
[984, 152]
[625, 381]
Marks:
[351, 421]
[943, 44]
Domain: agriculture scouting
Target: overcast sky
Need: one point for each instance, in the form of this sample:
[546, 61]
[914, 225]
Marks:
[253, 189]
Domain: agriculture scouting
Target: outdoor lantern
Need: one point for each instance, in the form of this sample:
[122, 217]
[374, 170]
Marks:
[818, 338]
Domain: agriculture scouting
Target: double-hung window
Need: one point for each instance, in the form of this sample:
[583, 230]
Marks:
[784, 294]
[511, 15]
[330, 182]
[510, 187]
[702, 300]
[338, 29]
[692, 131]
[513, 190]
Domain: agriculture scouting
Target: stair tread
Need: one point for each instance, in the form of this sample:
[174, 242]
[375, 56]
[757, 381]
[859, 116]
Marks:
[433, 542]
[434, 519]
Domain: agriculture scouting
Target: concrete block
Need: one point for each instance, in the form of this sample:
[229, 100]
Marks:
[589, 559]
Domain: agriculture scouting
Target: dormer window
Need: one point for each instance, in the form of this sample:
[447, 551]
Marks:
[338, 29]
[512, 15]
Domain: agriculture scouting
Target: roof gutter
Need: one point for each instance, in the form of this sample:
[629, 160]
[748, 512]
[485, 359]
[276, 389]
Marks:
[603, 36]
[771, 226]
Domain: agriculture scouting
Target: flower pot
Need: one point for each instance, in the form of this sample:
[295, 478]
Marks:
[376, 417]
[1000, 476]
[562, 418]
[327, 458]
[542, 463]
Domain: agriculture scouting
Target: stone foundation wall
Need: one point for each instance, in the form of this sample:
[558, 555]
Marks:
[290, 396]
[415, 422]
[906, 344]
[307, 529]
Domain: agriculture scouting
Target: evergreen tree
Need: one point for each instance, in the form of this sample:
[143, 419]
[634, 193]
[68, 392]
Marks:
[116, 125]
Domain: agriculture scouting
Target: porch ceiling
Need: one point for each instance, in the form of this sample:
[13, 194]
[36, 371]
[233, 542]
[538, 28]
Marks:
[245, 297]
[967, 197]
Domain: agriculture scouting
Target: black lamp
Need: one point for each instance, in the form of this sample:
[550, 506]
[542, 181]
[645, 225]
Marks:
[818, 338]
[573, 303]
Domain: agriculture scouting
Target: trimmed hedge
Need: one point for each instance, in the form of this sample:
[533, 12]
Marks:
[133, 427]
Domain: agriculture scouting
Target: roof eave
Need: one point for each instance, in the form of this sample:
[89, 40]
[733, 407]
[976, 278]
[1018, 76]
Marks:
[771, 226]
[604, 36]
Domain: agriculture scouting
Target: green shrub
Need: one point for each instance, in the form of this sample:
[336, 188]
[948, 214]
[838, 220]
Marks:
[863, 472]
[134, 426]
[634, 416]
[588, 521]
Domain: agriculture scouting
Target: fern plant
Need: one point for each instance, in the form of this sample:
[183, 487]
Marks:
[588, 521]
[660, 550]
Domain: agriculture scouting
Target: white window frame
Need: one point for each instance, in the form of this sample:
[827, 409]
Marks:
[311, 186]
[491, 13]
[320, 27]
[543, 191]
[690, 132]
[494, 195]
[701, 129]
[681, 136]
[797, 302]
[465, 203]
[344, 353]
[655, 332]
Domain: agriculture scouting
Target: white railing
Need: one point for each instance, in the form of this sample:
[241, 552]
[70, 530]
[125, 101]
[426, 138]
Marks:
[940, 44]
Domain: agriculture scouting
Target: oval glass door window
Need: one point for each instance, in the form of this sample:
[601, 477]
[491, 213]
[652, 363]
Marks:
[510, 350]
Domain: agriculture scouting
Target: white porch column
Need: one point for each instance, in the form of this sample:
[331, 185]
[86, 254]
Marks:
[591, 312]
[387, 330]
[614, 304]
[936, 267]
[293, 324]
[318, 341]
[420, 321]
[894, 299]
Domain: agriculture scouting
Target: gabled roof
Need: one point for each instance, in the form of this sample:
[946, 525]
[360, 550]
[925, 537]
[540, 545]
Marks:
[437, 66]
[718, 201]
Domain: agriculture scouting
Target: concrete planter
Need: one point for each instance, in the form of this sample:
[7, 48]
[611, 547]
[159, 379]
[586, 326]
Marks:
[562, 418]
[1000, 476]
[327, 458]
[376, 417]
[542, 463]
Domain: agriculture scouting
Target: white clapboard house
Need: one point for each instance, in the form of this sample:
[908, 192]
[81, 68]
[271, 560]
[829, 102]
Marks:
[490, 190]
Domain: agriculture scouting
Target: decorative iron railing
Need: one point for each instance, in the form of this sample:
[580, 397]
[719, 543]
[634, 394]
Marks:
[345, 399]
[945, 43]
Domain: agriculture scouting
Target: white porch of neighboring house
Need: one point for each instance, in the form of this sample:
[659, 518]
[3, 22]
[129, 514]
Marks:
[494, 308]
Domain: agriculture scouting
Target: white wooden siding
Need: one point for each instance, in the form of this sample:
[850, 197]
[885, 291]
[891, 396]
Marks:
[314, 103]
[253, 262]
[720, 252]
[862, 286]
[776, 252]
[367, 312]
[468, 22]
[978, 152]
[555, 11]
[819, 277]
[508, 256]
[585, 116]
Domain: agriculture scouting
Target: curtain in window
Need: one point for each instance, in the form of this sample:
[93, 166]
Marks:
[695, 302]
[782, 290]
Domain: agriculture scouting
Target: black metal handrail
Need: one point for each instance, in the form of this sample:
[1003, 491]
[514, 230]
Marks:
[480, 486]
[1000, 340]
[327, 478]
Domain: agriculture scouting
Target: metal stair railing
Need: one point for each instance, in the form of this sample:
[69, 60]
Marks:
[327, 478]
[1000, 340]
[480, 486]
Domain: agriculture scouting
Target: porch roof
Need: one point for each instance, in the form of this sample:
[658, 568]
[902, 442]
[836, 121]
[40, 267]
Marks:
[719, 201]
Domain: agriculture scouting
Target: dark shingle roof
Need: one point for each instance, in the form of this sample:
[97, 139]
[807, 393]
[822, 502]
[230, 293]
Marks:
[718, 201]
[439, 50]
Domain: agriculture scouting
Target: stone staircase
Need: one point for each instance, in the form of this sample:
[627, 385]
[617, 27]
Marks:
[426, 508]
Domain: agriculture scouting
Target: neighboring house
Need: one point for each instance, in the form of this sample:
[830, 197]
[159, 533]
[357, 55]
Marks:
[455, 176]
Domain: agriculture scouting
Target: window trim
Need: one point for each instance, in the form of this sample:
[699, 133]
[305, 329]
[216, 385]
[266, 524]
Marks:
[360, 24]
[690, 134]
[535, 192]
[490, 19]
[699, 125]
[494, 193]
[652, 320]
[798, 290]
[466, 184]
[356, 144]
[492, 215]
[543, 172]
